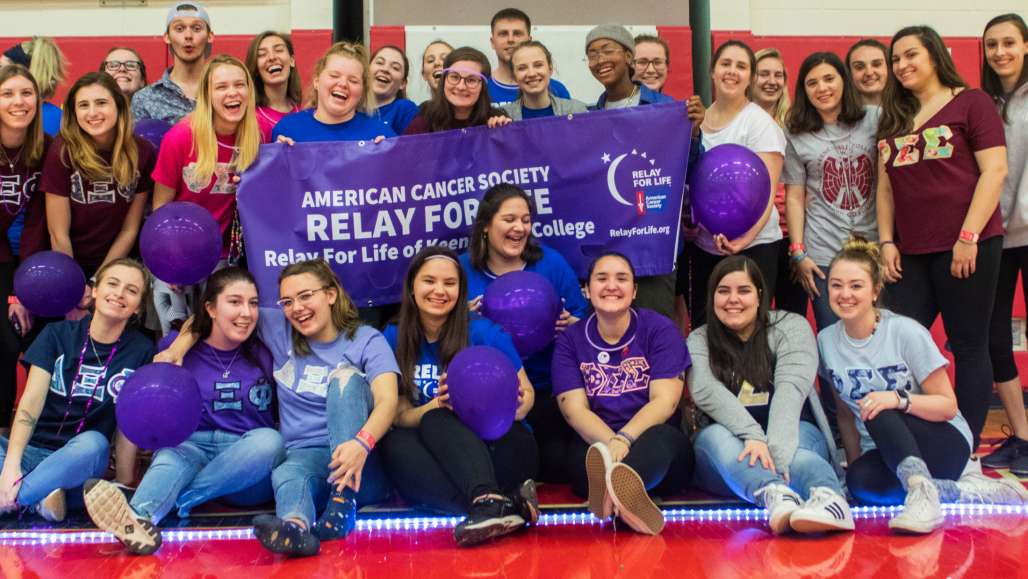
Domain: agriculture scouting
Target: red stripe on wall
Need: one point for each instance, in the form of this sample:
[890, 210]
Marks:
[680, 74]
[394, 35]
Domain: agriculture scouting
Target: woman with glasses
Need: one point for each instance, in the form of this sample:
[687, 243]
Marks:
[463, 101]
[652, 61]
[127, 68]
[337, 392]
[533, 66]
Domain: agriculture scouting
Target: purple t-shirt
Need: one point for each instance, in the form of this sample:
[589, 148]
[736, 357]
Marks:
[616, 377]
[239, 401]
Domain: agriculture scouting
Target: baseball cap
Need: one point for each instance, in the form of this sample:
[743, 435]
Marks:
[187, 10]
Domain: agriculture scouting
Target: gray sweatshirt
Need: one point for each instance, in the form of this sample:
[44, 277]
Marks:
[561, 107]
[1013, 202]
[794, 351]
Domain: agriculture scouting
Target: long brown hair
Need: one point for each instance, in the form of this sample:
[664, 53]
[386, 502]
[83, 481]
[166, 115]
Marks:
[34, 137]
[803, 117]
[731, 359]
[493, 199]
[453, 336]
[344, 313]
[899, 105]
[749, 53]
[439, 112]
[79, 147]
[990, 80]
[294, 91]
[203, 323]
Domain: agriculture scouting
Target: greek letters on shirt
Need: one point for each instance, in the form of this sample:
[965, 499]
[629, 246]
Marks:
[90, 382]
[909, 152]
[859, 382]
[613, 381]
[229, 400]
[13, 192]
[101, 190]
[223, 173]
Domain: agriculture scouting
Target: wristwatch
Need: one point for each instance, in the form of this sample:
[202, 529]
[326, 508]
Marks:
[904, 397]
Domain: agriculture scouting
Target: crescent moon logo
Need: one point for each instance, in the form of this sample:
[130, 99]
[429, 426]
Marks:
[610, 181]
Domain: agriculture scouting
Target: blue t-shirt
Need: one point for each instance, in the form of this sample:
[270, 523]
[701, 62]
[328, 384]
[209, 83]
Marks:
[302, 127]
[51, 119]
[481, 332]
[237, 394]
[303, 380]
[555, 268]
[501, 94]
[527, 113]
[57, 351]
[398, 114]
[900, 354]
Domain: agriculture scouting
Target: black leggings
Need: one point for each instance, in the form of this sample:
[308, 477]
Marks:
[789, 295]
[444, 466]
[1013, 263]
[554, 437]
[662, 456]
[11, 345]
[928, 289]
[872, 477]
[695, 266]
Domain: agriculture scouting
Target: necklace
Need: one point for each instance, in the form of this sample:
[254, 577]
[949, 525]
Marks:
[11, 163]
[78, 374]
[226, 369]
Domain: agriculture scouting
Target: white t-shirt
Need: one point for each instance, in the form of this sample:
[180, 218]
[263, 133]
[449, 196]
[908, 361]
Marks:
[754, 129]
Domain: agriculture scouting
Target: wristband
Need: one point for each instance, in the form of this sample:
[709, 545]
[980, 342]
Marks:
[627, 442]
[12, 299]
[884, 243]
[968, 236]
[794, 247]
[626, 436]
[364, 444]
[798, 257]
[365, 437]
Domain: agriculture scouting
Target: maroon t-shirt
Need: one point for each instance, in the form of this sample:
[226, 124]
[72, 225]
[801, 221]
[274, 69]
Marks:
[933, 172]
[98, 208]
[19, 191]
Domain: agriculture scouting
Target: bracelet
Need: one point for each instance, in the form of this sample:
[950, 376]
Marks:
[365, 437]
[793, 247]
[626, 436]
[621, 438]
[798, 257]
[364, 444]
[12, 299]
[883, 243]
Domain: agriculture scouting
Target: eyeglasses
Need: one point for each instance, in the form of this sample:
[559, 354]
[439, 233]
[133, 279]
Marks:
[303, 298]
[644, 63]
[454, 78]
[129, 65]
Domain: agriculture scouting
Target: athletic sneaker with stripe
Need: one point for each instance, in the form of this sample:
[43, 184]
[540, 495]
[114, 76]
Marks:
[825, 510]
[781, 502]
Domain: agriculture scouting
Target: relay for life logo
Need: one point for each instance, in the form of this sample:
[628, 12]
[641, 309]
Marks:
[636, 180]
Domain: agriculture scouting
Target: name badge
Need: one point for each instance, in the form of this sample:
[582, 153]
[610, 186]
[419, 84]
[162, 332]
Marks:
[749, 397]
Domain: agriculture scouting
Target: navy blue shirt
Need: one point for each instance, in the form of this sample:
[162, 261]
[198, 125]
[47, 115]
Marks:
[527, 113]
[302, 127]
[501, 94]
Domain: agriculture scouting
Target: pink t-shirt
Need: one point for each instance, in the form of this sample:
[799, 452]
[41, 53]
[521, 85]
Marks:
[175, 168]
[268, 117]
[934, 173]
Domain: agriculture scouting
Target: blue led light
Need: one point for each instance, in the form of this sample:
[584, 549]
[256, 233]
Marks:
[369, 525]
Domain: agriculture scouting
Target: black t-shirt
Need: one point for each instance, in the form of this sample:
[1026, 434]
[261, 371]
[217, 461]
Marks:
[57, 351]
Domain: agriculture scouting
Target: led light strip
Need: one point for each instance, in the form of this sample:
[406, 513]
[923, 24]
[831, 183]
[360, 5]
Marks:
[431, 523]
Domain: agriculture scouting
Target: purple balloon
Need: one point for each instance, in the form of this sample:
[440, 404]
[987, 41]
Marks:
[728, 190]
[483, 387]
[152, 130]
[49, 284]
[159, 406]
[527, 307]
[181, 243]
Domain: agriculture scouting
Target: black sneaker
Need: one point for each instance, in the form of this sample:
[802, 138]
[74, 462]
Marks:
[1020, 466]
[1008, 452]
[527, 502]
[339, 518]
[285, 537]
[490, 517]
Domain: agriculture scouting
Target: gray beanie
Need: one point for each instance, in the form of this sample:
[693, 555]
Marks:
[614, 32]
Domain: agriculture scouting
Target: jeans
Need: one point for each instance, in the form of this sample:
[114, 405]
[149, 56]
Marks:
[80, 459]
[719, 471]
[444, 465]
[928, 289]
[208, 465]
[301, 482]
[661, 456]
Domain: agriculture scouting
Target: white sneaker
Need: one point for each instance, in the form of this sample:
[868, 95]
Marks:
[598, 464]
[976, 488]
[824, 511]
[781, 502]
[922, 513]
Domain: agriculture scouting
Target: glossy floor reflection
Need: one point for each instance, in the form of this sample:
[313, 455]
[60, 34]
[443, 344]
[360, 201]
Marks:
[969, 546]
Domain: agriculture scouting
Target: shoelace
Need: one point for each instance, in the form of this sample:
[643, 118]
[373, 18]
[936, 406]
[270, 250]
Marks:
[821, 497]
[771, 494]
[918, 495]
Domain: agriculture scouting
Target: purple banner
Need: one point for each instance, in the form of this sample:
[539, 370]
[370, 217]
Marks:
[598, 181]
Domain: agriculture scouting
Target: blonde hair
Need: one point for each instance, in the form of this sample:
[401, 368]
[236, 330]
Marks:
[79, 146]
[205, 141]
[34, 138]
[860, 250]
[345, 318]
[781, 109]
[358, 52]
[47, 64]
